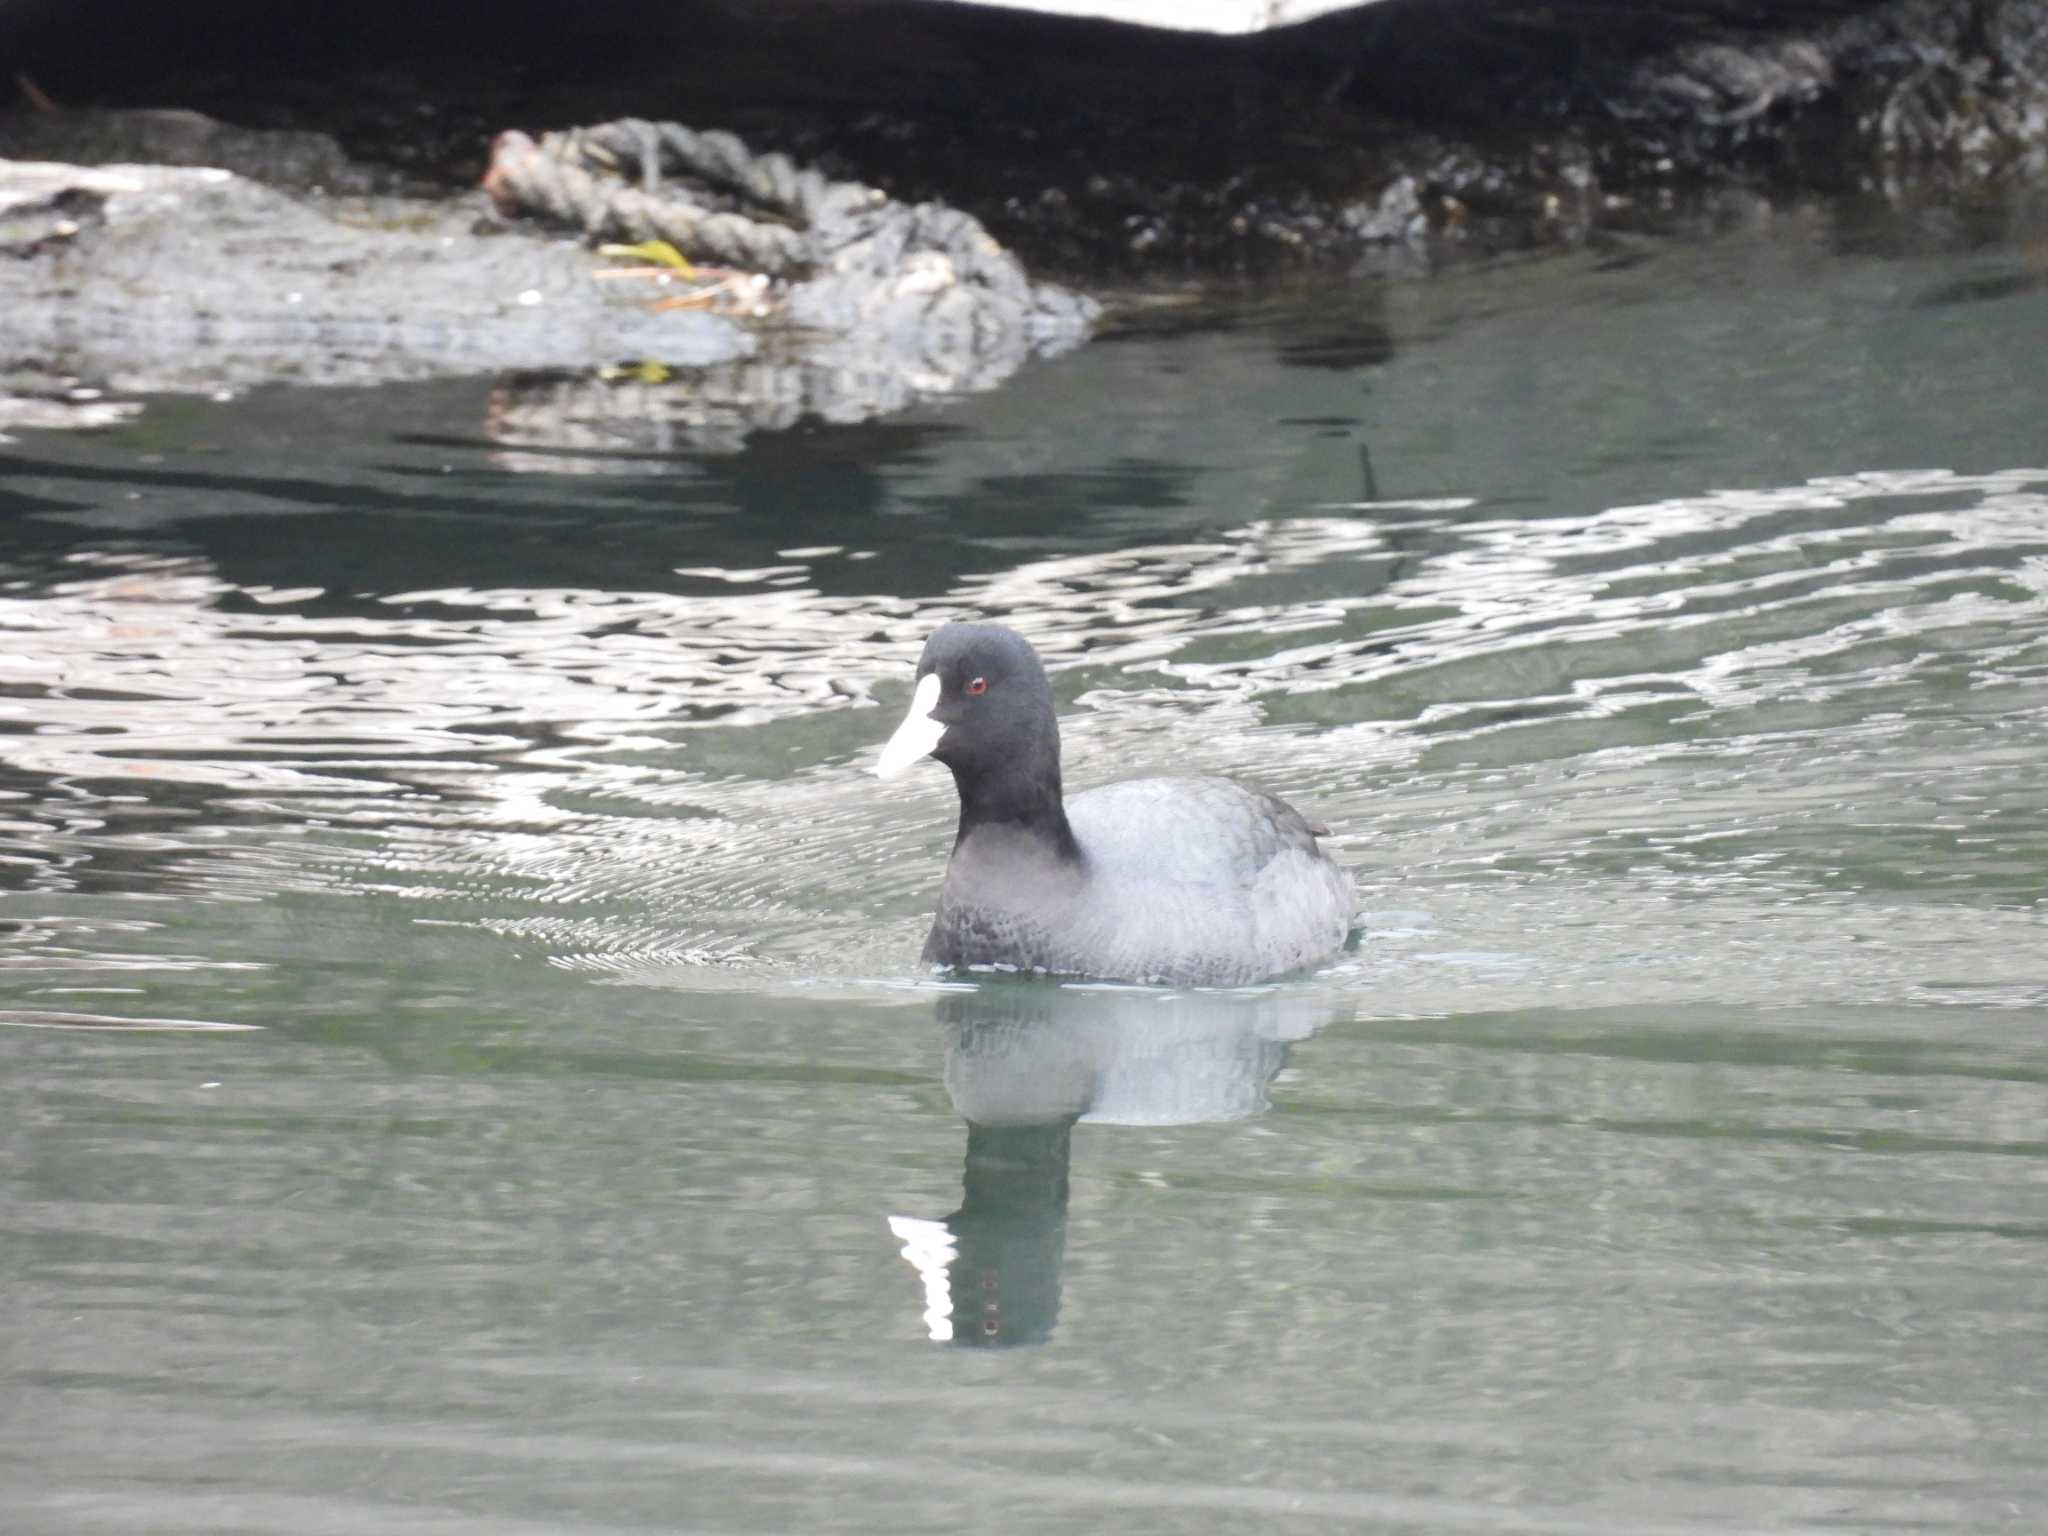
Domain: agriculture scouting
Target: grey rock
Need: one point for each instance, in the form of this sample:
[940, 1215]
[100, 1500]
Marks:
[149, 277]
[189, 279]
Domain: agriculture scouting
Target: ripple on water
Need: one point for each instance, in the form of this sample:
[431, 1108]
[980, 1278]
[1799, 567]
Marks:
[1604, 749]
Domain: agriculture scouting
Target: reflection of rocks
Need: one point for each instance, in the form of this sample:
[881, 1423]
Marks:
[557, 424]
[1027, 1059]
[545, 421]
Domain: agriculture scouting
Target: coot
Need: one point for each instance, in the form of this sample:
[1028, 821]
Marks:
[1186, 881]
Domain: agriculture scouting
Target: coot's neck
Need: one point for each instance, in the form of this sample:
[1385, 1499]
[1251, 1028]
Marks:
[1022, 796]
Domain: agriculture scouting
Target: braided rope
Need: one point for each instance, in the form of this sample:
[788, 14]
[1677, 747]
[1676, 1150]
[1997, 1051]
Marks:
[582, 176]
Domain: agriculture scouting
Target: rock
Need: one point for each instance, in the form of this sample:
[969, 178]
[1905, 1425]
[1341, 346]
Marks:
[918, 291]
[148, 277]
[145, 277]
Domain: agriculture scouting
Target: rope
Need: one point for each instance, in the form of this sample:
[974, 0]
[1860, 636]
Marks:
[761, 212]
[920, 289]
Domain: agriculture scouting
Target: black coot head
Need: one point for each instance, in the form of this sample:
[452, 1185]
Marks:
[983, 706]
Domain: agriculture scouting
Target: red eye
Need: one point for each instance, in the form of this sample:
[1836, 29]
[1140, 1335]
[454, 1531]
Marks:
[979, 685]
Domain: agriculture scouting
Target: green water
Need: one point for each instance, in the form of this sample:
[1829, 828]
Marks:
[464, 1068]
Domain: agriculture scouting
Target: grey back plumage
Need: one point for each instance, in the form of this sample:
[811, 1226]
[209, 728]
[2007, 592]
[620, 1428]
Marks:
[1189, 881]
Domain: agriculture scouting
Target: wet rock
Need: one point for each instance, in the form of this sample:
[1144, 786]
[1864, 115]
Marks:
[41, 205]
[1889, 95]
[1718, 84]
[145, 278]
[920, 291]
[1959, 90]
[1121, 153]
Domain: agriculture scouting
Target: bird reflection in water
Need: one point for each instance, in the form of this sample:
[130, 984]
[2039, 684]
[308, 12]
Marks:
[1026, 1060]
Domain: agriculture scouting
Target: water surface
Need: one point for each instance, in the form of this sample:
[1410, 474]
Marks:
[465, 1065]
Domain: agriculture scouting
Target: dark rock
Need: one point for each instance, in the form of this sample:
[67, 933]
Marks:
[1414, 128]
[294, 158]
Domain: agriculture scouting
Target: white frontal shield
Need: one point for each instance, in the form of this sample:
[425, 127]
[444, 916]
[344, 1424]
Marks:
[919, 733]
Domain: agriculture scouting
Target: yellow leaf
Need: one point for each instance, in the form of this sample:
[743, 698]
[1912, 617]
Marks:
[645, 372]
[658, 252]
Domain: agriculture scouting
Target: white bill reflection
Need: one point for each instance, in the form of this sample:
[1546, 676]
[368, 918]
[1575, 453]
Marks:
[1026, 1060]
